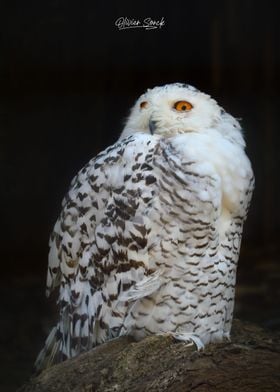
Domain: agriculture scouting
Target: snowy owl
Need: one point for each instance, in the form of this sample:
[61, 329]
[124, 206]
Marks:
[149, 234]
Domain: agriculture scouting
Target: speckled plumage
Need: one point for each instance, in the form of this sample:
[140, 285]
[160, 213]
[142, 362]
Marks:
[149, 234]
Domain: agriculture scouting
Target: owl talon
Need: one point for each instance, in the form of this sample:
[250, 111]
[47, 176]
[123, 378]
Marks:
[227, 336]
[189, 338]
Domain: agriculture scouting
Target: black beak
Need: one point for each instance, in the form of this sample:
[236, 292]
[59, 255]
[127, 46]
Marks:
[152, 126]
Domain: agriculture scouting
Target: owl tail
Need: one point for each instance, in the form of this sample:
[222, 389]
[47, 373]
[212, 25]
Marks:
[74, 333]
[69, 338]
[51, 352]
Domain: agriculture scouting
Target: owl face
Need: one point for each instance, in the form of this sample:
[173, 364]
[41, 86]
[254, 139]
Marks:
[173, 109]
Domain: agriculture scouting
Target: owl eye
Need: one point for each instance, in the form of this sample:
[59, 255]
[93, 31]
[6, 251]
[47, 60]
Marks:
[182, 106]
[143, 104]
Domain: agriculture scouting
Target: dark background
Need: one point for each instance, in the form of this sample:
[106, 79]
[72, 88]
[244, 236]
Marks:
[67, 80]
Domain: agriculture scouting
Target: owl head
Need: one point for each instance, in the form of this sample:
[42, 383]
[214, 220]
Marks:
[179, 108]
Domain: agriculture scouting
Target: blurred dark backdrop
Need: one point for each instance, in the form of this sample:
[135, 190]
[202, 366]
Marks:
[68, 78]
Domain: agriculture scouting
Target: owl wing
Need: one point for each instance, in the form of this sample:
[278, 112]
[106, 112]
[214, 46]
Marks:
[99, 247]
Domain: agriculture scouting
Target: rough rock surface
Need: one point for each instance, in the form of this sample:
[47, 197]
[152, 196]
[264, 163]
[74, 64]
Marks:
[250, 362]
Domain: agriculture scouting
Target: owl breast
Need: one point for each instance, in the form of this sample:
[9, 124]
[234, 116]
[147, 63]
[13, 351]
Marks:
[195, 281]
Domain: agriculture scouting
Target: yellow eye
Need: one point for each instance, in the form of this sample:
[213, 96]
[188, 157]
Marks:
[183, 106]
[143, 104]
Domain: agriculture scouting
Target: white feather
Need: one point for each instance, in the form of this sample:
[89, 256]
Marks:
[145, 287]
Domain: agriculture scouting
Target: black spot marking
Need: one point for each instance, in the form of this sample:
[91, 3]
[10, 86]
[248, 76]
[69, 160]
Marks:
[150, 180]
[127, 177]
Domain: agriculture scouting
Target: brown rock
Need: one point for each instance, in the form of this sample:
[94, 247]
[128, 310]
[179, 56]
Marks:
[250, 362]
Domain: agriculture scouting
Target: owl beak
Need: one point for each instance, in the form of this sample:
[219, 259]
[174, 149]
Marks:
[152, 126]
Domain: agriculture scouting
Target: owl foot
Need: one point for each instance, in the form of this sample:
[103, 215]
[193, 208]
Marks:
[187, 337]
[227, 336]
